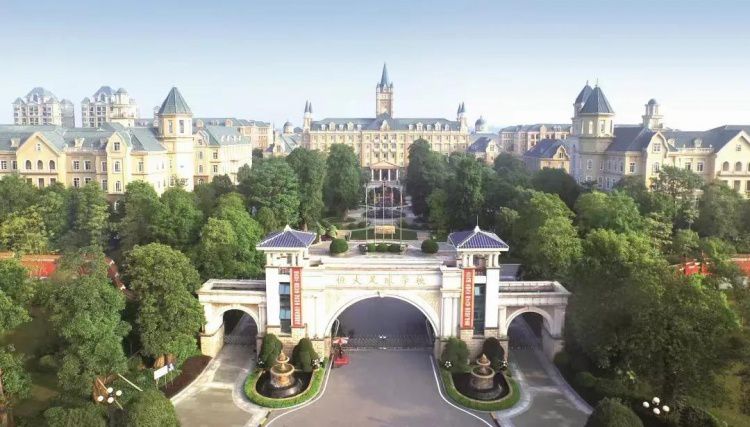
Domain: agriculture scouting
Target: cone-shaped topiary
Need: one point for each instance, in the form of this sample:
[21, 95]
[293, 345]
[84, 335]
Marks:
[303, 355]
[429, 246]
[269, 351]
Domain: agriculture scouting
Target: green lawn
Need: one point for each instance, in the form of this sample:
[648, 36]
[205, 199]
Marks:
[359, 234]
[35, 339]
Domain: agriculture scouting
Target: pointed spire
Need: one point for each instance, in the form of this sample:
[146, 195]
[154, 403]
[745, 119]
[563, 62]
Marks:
[307, 106]
[384, 80]
[597, 103]
[583, 95]
[174, 103]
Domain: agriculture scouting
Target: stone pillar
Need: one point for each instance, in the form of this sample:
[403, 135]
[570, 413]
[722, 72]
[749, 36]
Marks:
[211, 343]
[272, 297]
[397, 177]
[372, 174]
[380, 174]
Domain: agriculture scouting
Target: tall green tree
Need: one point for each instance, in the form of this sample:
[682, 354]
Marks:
[343, 189]
[675, 189]
[231, 208]
[89, 212]
[54, 207]
[439, 215]
[88, 415]
[310, 168]
[614, 211]
[217, 251]
[267, 220]
[465, 189]
[512, 170]
[559, 182]
[15, 383]
[424, 174]
[85, 312]
[181, 219]
[168, 315]
[552, 249]
[143, 212]
[534, 209]
[720, 212]
[222, 185]
[273, 184]
[24, 232]
[17, 194]
[151, 409]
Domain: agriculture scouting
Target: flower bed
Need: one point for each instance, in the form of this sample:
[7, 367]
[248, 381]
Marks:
[479, 405]
[311, 391]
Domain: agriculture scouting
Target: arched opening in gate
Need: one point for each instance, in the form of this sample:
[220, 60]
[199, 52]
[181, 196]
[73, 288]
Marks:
[526, 331]
[240, 328]
[384, 322]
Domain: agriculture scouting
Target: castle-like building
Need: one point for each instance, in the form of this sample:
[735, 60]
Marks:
[41, 107]
[108, 106]
[603, 152]
[382, 142]
[174, 149]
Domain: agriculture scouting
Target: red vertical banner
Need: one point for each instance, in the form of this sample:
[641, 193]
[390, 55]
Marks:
[467, 299]
[295, 295]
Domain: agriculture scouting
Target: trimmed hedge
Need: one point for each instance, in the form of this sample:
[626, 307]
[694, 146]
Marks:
[339, 246]
[429, 246]
[506, 402]
[457, 354]
[269, 350]
[312, 390]
[394, 248]
[304, 355]
[494, 351]
[372, 247]
[611, 412]
[382, 247]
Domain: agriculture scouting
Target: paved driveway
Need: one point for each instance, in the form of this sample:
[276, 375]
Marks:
[381, 388]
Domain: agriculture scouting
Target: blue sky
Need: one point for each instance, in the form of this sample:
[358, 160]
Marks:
[511, 61]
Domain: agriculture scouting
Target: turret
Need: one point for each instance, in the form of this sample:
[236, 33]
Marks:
[461, 117]
[384, 94]
[652, 118]
[596, 117]
[307, 118]
[176, 132]
[583, 95]
[480, 126]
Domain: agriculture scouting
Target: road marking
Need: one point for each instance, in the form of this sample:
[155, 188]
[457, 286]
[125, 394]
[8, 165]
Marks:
[309, 402]
[437, 383]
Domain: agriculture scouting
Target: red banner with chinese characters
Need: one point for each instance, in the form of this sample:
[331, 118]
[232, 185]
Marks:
[467, 299]
[295, 296]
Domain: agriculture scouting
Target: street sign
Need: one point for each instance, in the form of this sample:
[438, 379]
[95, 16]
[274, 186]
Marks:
[164, 370]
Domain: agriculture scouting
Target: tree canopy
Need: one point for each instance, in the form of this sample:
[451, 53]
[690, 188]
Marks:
[272, 183]
[343, 187]
[310, 168]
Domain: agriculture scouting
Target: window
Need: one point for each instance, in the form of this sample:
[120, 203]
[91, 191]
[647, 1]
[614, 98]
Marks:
[589, 164]
[86, 180]
[479, 303]
[200, 168]
[87, 165]
[52, 181]
[52, 165]
[14, 165]
[4, 164]
[39, 165]
[736, 185]
[738, 147]
[170, 126]
[104, 166]
[76, 182]
[655, 167]
[182, 126]
[118, 186]
[105, 188]
[200, 155]
[725, 167]
[140, 166]
[117, 146]
[747, 186]
[39, 148]
[28, 165]
[591, 127]
[601, 126]
[657, 148]
[215, 168]
[688, 166]
[76, 165]
[738, 167]
[285, 309]
[216, 155]
[631, 167]
[699, 167]
[41, 182]
[117, 166]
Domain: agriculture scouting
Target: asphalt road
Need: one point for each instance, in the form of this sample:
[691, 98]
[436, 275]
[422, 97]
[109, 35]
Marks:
[381, 388]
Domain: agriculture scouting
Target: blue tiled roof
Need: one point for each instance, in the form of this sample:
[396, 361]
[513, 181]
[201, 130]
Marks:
[476, 239]
[174, 103]
[545, 149]
[288, 238]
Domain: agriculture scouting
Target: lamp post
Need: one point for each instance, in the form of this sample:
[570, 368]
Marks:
[104, 394]
[655, 407]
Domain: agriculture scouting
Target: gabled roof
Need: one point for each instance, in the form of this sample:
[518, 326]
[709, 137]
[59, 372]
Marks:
[377, 122]
[597, 103]
[476, 239]
[174, 103]
[481, 142]
[545, 149]
[631, 138]
[287, 238]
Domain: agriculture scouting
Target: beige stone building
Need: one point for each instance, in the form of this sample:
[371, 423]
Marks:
[108, 106]
[521, 138]
[485, 145]
[382, 142]
[41, 107]
[112, 155]
[602, 153]
[548, 153]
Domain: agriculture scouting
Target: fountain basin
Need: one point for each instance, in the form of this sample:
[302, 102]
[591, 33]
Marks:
[298, 382]
[499, 387]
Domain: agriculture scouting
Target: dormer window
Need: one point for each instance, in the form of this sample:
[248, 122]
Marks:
[657, 148]
[116, 146]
